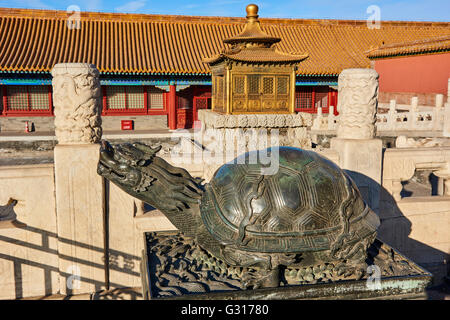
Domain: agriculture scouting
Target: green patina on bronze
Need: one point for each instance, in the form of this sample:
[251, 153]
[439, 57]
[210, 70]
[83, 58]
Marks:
[305, 213]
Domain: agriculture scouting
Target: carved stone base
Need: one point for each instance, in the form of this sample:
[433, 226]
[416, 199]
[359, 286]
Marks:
[175, 267]
[361, 158]
[79, 207]
[230, 135]
[247, 128]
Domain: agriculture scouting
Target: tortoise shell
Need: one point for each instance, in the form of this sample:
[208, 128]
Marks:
[305, 205]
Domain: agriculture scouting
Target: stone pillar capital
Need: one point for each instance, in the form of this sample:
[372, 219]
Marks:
[357, 103]
[76, 97]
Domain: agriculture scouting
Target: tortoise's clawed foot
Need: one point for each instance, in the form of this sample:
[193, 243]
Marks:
[346, 269]
[250, 281]
[261, 278]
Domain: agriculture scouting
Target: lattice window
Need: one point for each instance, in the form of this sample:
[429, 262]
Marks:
[220, 86]
[268, 85]
[303, 98]
[17, 98]
[125, 98]
[253, 84]
[116, 97]
[201, 102]
[282, 85]
[155, 98]
[135, 97]
[38, 97]
[27, 98]
[239, 84]
[321, 98]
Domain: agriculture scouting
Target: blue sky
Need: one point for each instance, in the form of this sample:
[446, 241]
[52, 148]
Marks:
[419, 10]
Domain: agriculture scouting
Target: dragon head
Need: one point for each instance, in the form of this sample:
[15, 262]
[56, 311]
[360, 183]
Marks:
[123, 164]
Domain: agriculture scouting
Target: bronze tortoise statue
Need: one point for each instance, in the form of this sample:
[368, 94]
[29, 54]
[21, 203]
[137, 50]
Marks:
[308, 212]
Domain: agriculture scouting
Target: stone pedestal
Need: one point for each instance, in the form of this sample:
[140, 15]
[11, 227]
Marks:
[359, 153]
[80, 207]
[230, 135]
[394, 277]
[362, 161]
[79, 189]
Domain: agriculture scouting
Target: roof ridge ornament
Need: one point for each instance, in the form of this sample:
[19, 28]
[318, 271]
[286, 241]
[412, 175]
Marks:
[252, 32]
[253, 45]
[252, 76]
[252, 11]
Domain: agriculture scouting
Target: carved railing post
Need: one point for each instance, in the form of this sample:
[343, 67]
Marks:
[317, 122]
[79, 189]
[437, 112]
[391, 119]
[359, 152]
[413, 113]
[446, 128]
[331, 117]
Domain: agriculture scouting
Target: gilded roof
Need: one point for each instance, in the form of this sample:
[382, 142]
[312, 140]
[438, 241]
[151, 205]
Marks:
[35, 40]
[256, 55]
[252, 30]
[431, 45]
[252, 45]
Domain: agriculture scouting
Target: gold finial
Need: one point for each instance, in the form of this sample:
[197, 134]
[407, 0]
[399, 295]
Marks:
[252, 11]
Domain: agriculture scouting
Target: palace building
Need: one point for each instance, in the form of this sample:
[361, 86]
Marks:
[419, 68]
[152, 67]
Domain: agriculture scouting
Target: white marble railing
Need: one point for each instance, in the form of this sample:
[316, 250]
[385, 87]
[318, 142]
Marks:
[417, 118]
[400, 164]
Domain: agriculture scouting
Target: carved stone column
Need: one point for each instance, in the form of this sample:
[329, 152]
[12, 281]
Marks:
[357, 103]
[76, 96]
[230, 135]
[79, 189]
[359, 153]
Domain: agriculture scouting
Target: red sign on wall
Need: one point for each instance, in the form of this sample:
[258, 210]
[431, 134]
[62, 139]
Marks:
[127, 124]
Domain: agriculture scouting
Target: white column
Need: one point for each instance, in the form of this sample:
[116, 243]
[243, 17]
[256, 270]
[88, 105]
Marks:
[79, 189]
[359, 152]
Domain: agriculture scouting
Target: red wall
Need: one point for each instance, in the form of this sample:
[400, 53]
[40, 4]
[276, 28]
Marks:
[417, 74]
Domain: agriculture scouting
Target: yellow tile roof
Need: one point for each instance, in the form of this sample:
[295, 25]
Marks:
[431, 45]
[35, 40]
